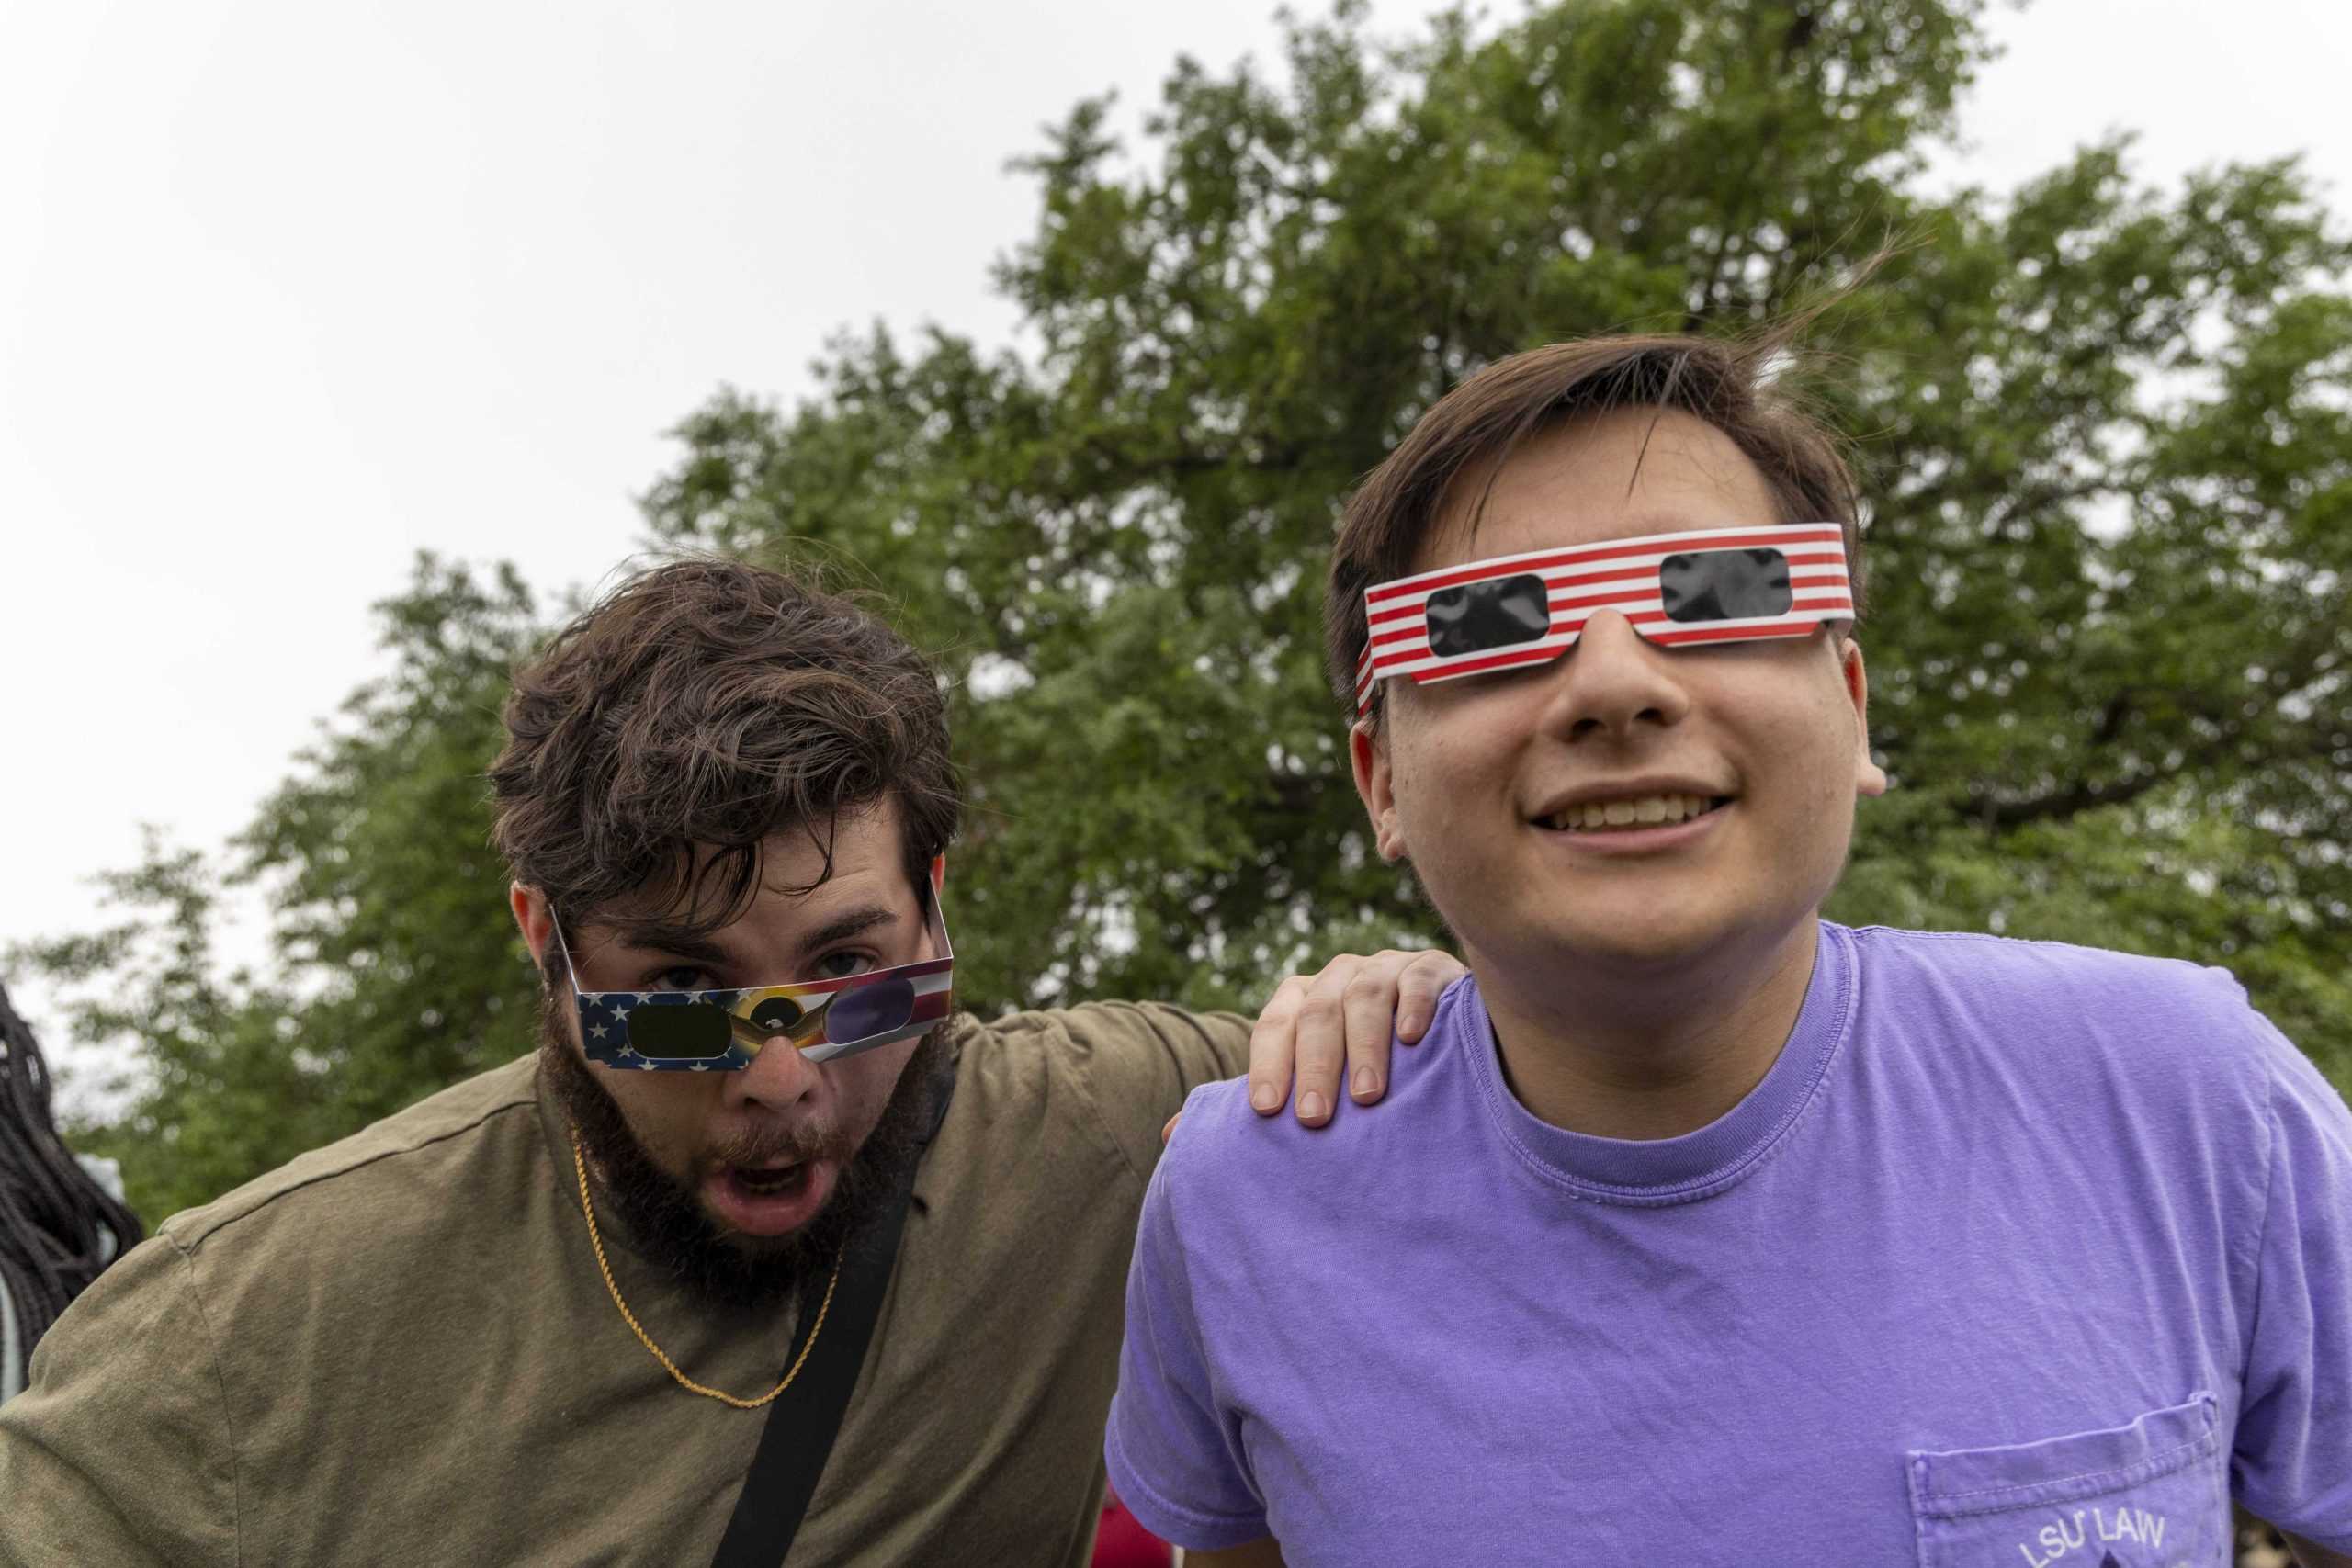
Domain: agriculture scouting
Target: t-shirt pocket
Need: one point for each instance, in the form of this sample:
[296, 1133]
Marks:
[2150, 1495]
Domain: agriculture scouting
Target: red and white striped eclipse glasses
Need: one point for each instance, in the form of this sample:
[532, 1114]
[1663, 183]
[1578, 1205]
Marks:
[1776, 579]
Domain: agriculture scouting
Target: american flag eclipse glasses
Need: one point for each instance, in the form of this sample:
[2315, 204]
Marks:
[705, 1032]
[1709, 585]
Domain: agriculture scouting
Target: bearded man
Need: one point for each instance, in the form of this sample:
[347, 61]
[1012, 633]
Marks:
[760, 1205]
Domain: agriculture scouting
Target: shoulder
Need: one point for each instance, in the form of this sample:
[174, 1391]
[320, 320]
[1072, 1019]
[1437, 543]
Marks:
[466, 1136]
[2094, 991]
[1226, 1159]
[1121, 1067]
[2151, 1027]
[2018, 971]
[1100, 1036]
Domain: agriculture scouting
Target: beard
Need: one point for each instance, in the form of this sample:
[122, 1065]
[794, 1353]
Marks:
[669, 1226]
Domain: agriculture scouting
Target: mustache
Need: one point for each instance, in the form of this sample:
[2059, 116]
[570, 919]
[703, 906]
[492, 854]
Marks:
[771, 1145]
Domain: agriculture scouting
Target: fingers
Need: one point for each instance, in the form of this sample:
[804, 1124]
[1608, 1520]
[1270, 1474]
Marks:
[1168, 1131]
[1271, 1047]
[1320, 1047]
[1418, 989]
[1334, 1030]
[1368, 1006]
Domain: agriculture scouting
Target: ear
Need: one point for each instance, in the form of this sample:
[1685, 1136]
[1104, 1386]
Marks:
[532, 918]
[1368, 751]
[1869, 777]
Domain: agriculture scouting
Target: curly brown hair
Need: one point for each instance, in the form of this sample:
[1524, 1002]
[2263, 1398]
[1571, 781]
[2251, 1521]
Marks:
[695, 711]
[1473, 429]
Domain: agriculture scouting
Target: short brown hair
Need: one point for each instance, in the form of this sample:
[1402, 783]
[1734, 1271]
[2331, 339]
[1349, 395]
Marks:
[1481, 422]
[693, 711]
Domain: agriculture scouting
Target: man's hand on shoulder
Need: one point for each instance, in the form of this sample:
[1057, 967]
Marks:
[1339, 1020]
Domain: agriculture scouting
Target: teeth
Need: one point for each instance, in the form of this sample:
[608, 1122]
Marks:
[1644, 811]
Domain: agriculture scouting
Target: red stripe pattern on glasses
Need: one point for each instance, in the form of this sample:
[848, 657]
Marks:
[1582, 581]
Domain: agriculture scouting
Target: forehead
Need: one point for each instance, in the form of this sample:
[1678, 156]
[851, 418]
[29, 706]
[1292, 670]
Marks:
[794, 887]
[1611, 476]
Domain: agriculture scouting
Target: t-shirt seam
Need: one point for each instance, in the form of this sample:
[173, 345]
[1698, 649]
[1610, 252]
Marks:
[2274, 1135]
[1715, 1182]
[217, 1227]
[228, 1417]
[2203, 1439]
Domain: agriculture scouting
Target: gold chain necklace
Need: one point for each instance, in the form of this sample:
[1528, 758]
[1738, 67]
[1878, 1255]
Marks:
[580, 1164]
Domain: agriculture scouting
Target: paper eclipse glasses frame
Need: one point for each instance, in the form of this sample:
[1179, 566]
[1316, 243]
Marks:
[719, 1031]
[1707, 585]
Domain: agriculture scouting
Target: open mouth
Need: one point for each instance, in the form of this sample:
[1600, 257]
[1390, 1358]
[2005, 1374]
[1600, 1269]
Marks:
[1633, 813]
[768, 1181]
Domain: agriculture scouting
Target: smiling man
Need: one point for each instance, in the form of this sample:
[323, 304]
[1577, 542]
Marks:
[766, 1255]
[1714, 1232]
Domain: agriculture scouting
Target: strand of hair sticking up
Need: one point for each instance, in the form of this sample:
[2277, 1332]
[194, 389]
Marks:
[58, 1227]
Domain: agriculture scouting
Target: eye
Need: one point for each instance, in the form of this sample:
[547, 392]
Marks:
[682, 978]
[846, 961]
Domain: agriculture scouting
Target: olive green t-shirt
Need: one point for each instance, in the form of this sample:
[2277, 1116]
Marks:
[397, 1350]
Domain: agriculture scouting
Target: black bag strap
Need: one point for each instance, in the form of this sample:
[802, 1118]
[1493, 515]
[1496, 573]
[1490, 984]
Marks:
[807, 1417]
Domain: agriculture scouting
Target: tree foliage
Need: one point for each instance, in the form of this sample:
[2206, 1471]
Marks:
[2106, 432]
[2103, 428]
[398, 969]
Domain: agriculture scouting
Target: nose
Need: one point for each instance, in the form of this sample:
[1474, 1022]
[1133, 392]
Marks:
[1614, 685]
[779, 1078]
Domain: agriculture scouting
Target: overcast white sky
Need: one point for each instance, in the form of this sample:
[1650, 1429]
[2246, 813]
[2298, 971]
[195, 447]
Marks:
[289, 292]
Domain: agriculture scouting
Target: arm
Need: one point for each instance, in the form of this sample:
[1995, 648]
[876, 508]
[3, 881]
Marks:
[118, 1452]
[1173, 1443]
[2292, 1458]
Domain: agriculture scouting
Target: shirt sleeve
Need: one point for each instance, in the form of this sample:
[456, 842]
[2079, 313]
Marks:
[1175, 1455]
[1137, 1061]
[119, 1450]
[2292, 1461]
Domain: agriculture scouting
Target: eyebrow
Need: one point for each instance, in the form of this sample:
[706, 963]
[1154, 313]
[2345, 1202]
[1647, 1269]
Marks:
[852, 922]
[665, 939]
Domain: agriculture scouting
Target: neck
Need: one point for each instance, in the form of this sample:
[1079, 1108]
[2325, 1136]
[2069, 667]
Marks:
[1616, 1051]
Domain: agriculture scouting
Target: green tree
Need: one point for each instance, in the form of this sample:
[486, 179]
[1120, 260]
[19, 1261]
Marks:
[397, 969]
[2104, 430]
[2107, 433]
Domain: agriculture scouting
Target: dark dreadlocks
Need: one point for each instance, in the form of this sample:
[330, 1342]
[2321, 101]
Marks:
[54, 1220]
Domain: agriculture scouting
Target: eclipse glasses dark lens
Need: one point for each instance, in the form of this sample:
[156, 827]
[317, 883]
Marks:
[869, 1010]
[1724, 585]
[700, 1032]
[680, 1031]
[1478, 618]
[1698, 586]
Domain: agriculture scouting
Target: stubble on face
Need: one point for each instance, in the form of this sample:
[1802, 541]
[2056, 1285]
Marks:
[670, 1227]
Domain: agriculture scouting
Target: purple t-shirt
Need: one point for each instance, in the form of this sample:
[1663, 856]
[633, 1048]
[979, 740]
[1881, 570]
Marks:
[2021, 1254]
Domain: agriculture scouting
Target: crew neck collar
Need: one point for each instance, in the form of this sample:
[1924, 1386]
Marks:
[1698, 1164]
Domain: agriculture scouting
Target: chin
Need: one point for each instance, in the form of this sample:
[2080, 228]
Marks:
[1635, 938]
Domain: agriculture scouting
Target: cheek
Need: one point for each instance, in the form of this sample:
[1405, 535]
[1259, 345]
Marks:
[864, 1081]
[1446, 761]
[666, 1111]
